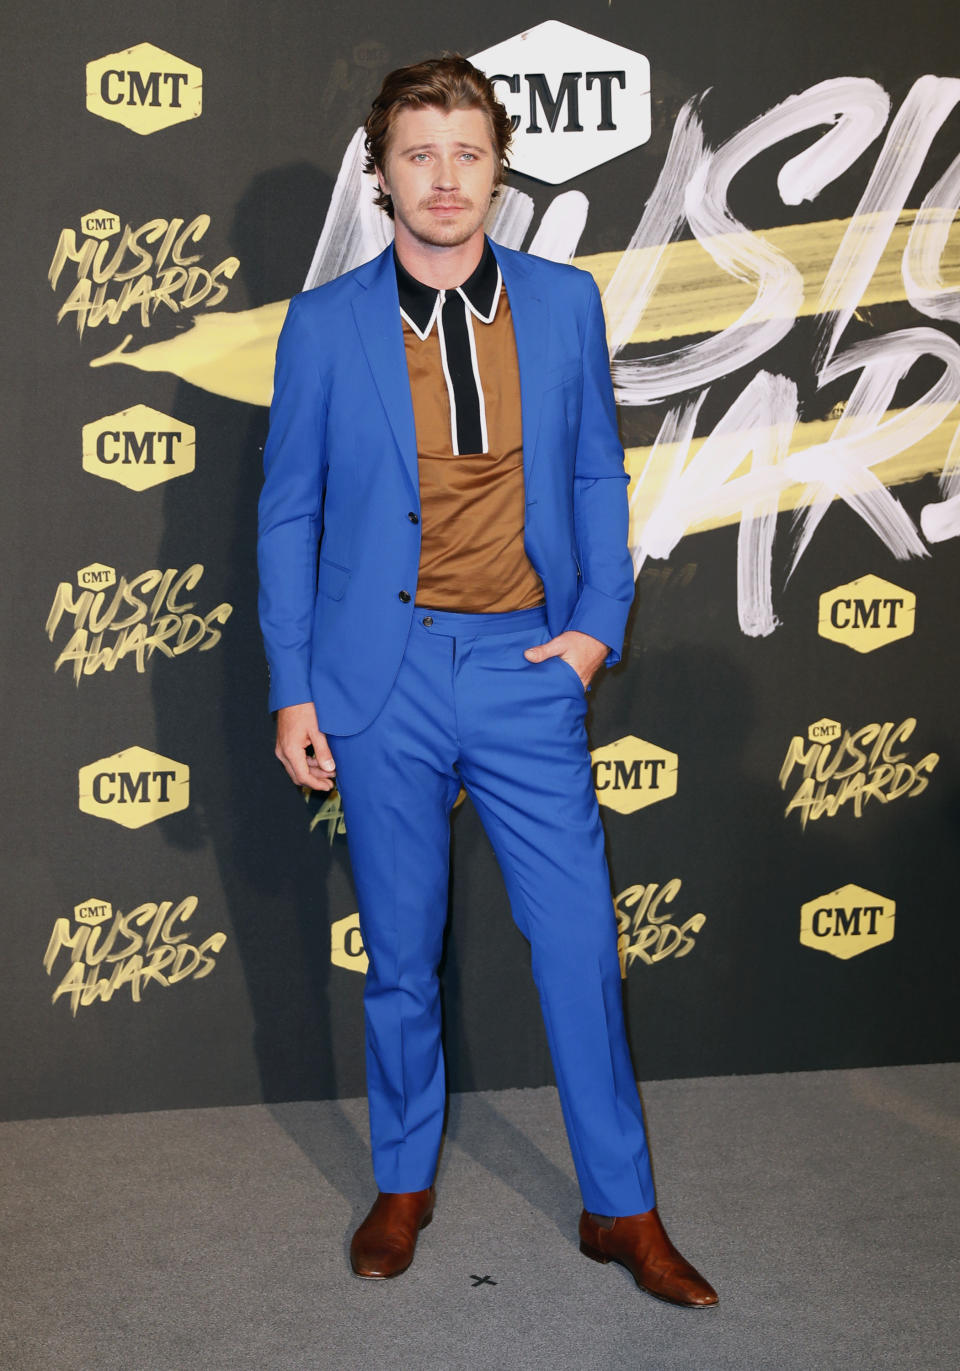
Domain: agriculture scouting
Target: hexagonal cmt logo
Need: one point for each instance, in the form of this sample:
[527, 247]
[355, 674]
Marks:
[139, 447]
[575, 100]
[866, 614]
[93, 912]
[847, 922]
[631, 774]
[346, 944]
[144, 88]
[134, 787]
[824, 731]
[99, 223]
[96, 576]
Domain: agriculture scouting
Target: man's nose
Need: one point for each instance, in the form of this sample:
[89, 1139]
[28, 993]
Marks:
[445, 175]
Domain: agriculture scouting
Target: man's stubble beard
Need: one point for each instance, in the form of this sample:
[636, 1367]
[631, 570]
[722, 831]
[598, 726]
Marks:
[444, 235]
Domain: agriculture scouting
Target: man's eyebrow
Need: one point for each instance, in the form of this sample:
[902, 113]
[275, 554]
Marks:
[429, 147]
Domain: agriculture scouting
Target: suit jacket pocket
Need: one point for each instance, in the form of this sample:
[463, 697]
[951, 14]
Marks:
[332, 579]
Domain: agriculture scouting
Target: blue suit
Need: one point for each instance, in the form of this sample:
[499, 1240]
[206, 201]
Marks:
[416, 702]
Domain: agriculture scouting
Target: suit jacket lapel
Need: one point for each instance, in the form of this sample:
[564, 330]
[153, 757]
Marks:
[531, 321]
[376, 309]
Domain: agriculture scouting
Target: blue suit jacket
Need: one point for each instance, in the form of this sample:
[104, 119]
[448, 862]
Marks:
[337, 546]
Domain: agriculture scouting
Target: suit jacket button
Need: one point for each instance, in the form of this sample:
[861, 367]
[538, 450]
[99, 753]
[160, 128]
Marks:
[405, 596]
[414, 518]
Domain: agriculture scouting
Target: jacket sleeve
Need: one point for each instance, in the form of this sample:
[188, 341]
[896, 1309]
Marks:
[290, 514]
[600, 509]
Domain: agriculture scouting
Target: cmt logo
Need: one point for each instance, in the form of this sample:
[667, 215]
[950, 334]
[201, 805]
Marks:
[134, 787]
[144, 88]
[99, 223]
[847, 922]
[575, 100]
[346, 944]
[93, 912]
[866, 614]
[96, 576]
[824, 731]
[139, 448]
[631, 774]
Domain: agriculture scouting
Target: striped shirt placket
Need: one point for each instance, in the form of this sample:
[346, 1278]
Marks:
[458, 355]
[452, 311]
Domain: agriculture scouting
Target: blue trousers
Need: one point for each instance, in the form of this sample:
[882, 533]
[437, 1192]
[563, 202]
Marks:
[468, 708]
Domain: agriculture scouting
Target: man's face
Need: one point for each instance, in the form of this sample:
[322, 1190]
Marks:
[440, 173]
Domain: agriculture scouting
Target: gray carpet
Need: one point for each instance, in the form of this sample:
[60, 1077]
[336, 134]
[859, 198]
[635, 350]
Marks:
[822, 1205]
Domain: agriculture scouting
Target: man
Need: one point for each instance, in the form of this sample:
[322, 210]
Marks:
[444, 568]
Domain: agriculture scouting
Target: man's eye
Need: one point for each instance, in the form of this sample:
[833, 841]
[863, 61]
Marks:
[469, 156]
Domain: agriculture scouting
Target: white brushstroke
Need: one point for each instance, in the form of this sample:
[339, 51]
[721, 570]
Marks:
[860, 107]
[926, 289]
[355, 230]
[758, 423]
[561, 227]
[511, 214]
[776, 403]
[904, 152]
[942, 521]
[676, 432]
[639, 270]
[857, 109]
[842, 466]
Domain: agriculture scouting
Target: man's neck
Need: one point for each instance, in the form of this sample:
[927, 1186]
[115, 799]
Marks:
[443, 268]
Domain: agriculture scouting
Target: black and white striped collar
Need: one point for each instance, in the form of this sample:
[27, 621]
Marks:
[420, 304]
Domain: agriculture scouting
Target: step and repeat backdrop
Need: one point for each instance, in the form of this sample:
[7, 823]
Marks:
[767, 200]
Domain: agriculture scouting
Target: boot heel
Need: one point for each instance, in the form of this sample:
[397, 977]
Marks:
[593, 1254]
[427, 1220]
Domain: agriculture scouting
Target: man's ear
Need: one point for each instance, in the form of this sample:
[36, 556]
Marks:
[381, 181]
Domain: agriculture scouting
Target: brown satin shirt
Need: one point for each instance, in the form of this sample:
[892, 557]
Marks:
[472, 557]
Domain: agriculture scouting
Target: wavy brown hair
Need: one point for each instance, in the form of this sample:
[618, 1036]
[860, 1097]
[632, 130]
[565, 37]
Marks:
[449, 82]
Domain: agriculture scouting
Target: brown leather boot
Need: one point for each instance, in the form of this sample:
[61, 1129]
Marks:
[640, 1243]
[385, 1242]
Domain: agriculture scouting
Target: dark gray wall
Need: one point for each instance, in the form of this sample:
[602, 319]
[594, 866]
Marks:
[284, 87]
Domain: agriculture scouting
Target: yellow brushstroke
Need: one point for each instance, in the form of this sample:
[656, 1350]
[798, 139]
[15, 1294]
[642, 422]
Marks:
[231, 354]
[694, 295]
[227, 354]
[923, 459]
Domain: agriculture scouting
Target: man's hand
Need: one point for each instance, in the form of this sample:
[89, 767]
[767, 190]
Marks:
[579, 650]
[297, 729]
